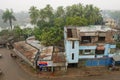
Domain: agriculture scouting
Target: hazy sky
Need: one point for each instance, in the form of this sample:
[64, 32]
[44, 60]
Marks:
[24, 5]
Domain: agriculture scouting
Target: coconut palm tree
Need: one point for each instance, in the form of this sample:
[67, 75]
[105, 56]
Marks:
[8, 17]
[34, 14]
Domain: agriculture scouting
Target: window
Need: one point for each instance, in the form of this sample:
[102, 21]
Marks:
[99, 52]
[72, 56]
[101, 39]
[81, 52]
[73, 45]
[86, 39]
[69, 33]
[87, 51]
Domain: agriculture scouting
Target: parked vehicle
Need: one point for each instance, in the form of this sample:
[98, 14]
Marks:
[13, 55]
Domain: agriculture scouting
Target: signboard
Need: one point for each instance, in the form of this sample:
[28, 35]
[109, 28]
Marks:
[45, 63]
[41, 63]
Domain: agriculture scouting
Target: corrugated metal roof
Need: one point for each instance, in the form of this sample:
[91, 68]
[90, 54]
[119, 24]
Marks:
[34, 43]
[46, 53]
[31, 46]
[53, 54]
[59, 57]
[25, 49]
[94, 28]
[91, 28]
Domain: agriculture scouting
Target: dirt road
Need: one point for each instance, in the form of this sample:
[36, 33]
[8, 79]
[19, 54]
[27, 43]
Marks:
[11, 69]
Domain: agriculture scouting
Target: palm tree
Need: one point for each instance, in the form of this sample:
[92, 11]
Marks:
[8, 16]
[34, 14]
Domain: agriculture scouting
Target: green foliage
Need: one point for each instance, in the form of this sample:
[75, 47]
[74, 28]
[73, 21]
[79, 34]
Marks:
[118, 45]
[50, 22]
[27, 32]
[75, 10]
[22, 18]
[37, 32]
[17, 31]
[42, 24]
[34, 13]
[93, 15]
[4, 32]
[49, 36]
[59, 22]
[76, 21]
[8, 16]
[60, 12]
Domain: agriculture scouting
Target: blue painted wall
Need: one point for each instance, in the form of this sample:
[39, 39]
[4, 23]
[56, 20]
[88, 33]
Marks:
[112, 46]
[99, 62]
[71, 51]
[86, 47]
[107, 49]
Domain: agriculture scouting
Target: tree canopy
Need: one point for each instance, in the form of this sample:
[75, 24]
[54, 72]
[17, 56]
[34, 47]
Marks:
[8, 16]
[50, 22]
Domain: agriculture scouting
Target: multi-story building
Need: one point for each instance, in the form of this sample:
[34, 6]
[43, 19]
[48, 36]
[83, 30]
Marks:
[89, 42]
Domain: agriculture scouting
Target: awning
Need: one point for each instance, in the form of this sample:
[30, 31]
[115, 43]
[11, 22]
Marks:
[43, 62]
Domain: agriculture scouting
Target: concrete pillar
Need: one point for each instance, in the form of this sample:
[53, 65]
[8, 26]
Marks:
[106, 52]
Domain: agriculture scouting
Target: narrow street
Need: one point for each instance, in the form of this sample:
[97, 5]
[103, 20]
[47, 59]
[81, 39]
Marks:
[11, 70]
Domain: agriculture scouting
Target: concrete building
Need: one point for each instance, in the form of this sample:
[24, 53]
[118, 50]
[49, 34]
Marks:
[90, 43]
[110, 22]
